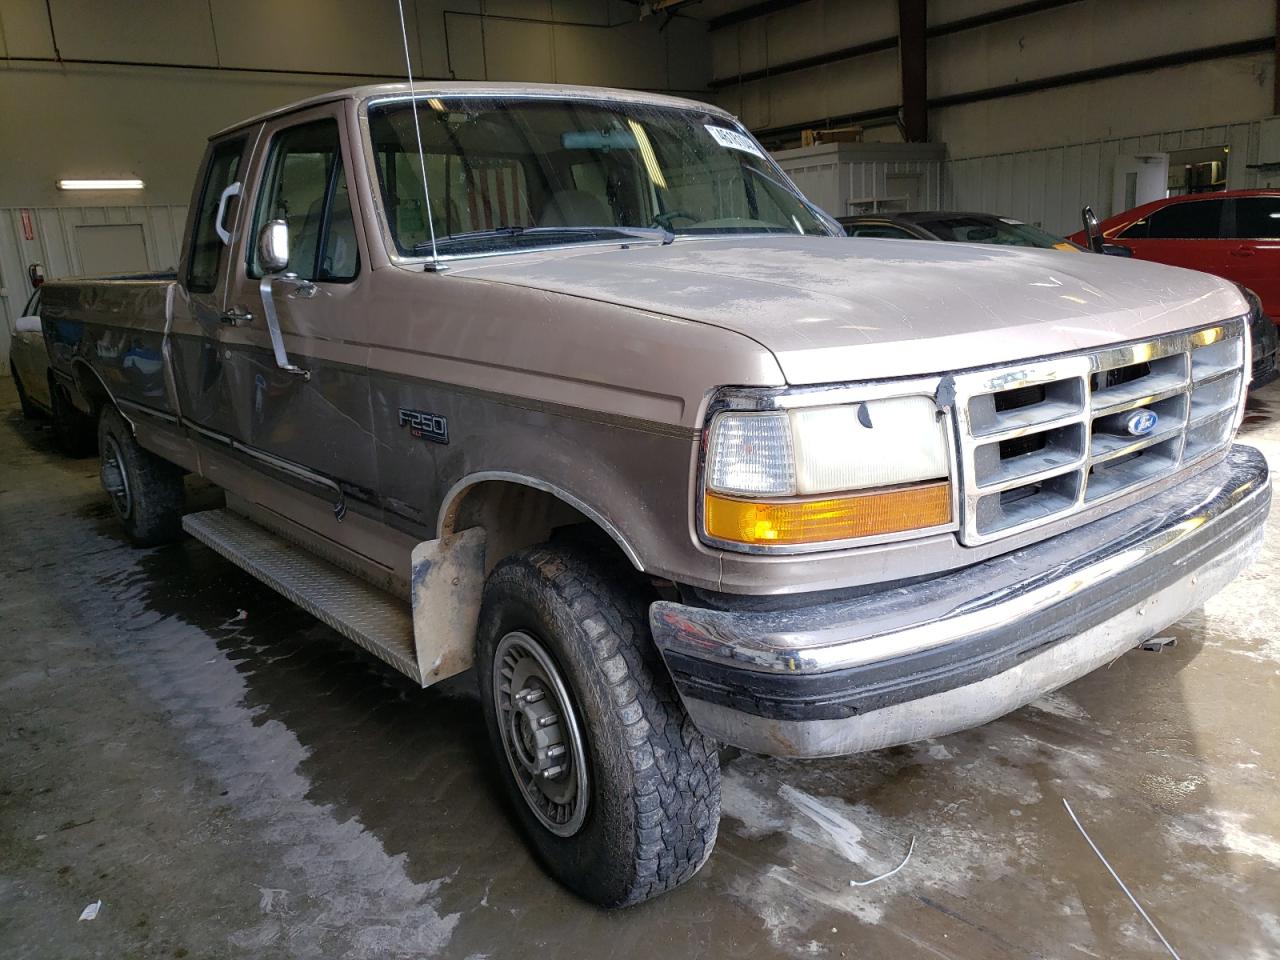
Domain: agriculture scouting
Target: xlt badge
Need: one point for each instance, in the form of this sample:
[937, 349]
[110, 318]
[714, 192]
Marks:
[425, 426]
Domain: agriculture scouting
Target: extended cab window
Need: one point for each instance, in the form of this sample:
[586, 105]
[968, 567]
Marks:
[1189, 220]
[206, 245]
[1257, 218]
[306, 187]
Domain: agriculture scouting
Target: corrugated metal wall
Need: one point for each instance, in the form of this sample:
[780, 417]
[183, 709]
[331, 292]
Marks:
[1049, 186]
[53, 244]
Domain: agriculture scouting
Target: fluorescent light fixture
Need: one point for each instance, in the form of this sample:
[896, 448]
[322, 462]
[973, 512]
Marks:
[104, 184]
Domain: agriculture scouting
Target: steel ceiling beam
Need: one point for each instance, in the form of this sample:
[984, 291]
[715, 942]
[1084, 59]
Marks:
[913, 70]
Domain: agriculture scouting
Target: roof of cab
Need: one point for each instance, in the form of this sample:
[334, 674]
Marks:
[437, 88]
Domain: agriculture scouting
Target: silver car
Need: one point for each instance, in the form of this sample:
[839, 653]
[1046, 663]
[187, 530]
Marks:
[40, 398]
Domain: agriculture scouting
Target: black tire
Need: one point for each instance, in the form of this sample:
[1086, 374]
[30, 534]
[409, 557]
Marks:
[652, 804]
[29, 409]
[72, 430]
[146, 492]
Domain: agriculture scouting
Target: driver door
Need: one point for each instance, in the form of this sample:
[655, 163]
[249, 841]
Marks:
[316, 415]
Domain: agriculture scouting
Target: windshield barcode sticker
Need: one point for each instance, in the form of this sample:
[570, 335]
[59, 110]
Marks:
[733, 140]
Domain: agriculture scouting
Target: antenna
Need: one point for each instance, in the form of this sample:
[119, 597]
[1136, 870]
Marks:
[434, 266]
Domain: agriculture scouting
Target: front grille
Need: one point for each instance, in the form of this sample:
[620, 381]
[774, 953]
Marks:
[1043, 440]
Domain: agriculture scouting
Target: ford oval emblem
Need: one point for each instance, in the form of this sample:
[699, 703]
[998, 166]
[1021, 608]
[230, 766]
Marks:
[1141, 422]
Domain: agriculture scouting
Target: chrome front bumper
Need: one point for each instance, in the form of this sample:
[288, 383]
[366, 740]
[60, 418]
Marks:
[931, 657]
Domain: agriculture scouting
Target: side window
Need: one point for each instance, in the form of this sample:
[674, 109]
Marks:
[1257, 218]
[305, 186]
[1136, 230]
[32, 309]
[1189, 220]
[881, 230]
[206, 245]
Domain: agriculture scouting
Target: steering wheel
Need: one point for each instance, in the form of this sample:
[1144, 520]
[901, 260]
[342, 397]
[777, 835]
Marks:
[663, 220]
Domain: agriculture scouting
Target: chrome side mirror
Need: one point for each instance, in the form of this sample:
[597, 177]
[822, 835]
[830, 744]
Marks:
[273, 246]
[1091, 230]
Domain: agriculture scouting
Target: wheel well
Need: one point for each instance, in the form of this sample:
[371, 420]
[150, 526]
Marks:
[516, 515]
[89, 389]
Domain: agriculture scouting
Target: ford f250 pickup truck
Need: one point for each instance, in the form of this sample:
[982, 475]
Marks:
[574, 385]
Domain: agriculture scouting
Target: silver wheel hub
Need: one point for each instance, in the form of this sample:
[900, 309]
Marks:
[540, 733]
[114, 479]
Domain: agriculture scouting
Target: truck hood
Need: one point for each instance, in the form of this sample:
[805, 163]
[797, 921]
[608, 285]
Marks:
[835, 310]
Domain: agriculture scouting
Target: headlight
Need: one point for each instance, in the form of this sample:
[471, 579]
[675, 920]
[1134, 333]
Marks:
[823, 474]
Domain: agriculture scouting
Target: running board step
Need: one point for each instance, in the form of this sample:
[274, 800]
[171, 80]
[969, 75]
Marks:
[369, 617]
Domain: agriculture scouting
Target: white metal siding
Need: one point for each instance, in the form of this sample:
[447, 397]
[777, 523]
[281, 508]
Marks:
[835, 176]
[1049, 186]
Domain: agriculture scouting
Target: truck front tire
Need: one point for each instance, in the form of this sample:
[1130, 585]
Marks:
[616, 790]
[146, 492]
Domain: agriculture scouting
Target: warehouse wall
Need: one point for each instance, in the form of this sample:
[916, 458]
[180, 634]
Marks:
[182, 69]
[1075, 36]
[1096, 34]
[65, 119]
[1036, 155]
[1050, 185]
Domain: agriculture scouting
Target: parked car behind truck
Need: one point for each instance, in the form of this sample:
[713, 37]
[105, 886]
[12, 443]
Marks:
[40, 396]
[955, 228]
[613, 417]
[1234, 234]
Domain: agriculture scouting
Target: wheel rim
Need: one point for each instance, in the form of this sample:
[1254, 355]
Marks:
[541, 736]
[114, 479]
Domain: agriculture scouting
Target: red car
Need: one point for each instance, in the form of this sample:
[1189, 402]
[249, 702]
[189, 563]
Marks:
[1235, 235]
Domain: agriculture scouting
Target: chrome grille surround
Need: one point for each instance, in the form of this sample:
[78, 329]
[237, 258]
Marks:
[1044, 440]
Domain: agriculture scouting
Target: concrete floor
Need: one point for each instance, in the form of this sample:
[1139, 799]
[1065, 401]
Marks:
[232, 779]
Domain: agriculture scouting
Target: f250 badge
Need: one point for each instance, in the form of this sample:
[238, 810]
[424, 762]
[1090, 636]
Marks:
[425, 426]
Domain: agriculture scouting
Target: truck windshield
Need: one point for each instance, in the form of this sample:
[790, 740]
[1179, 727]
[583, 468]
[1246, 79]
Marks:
[509, 174]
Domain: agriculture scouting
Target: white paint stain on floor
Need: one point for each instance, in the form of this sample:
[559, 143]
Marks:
[827, 841]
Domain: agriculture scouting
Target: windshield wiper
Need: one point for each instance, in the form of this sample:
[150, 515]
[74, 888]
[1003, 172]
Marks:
[649, 233]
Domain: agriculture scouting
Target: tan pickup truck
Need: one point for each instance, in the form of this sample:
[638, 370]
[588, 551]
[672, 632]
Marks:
[574, 385]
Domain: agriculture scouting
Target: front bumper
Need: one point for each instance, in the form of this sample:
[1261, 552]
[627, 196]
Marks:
[951, 652]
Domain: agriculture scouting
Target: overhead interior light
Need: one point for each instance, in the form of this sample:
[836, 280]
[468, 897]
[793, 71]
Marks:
[103, 184]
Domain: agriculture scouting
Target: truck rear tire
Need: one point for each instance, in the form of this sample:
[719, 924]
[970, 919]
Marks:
[146, 492]
[72, 430]
[616, 790]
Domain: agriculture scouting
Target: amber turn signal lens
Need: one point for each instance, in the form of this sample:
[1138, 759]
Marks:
[870, 514]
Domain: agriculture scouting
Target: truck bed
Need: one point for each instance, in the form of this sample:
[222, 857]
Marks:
[115, 327]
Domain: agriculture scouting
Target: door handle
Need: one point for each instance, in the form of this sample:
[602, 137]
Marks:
[273, 328]
[1243, 252]
[233, 190]
[237, 317]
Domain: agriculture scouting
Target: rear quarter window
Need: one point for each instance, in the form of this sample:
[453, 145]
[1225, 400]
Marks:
[206, 245]
[1257, 218]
